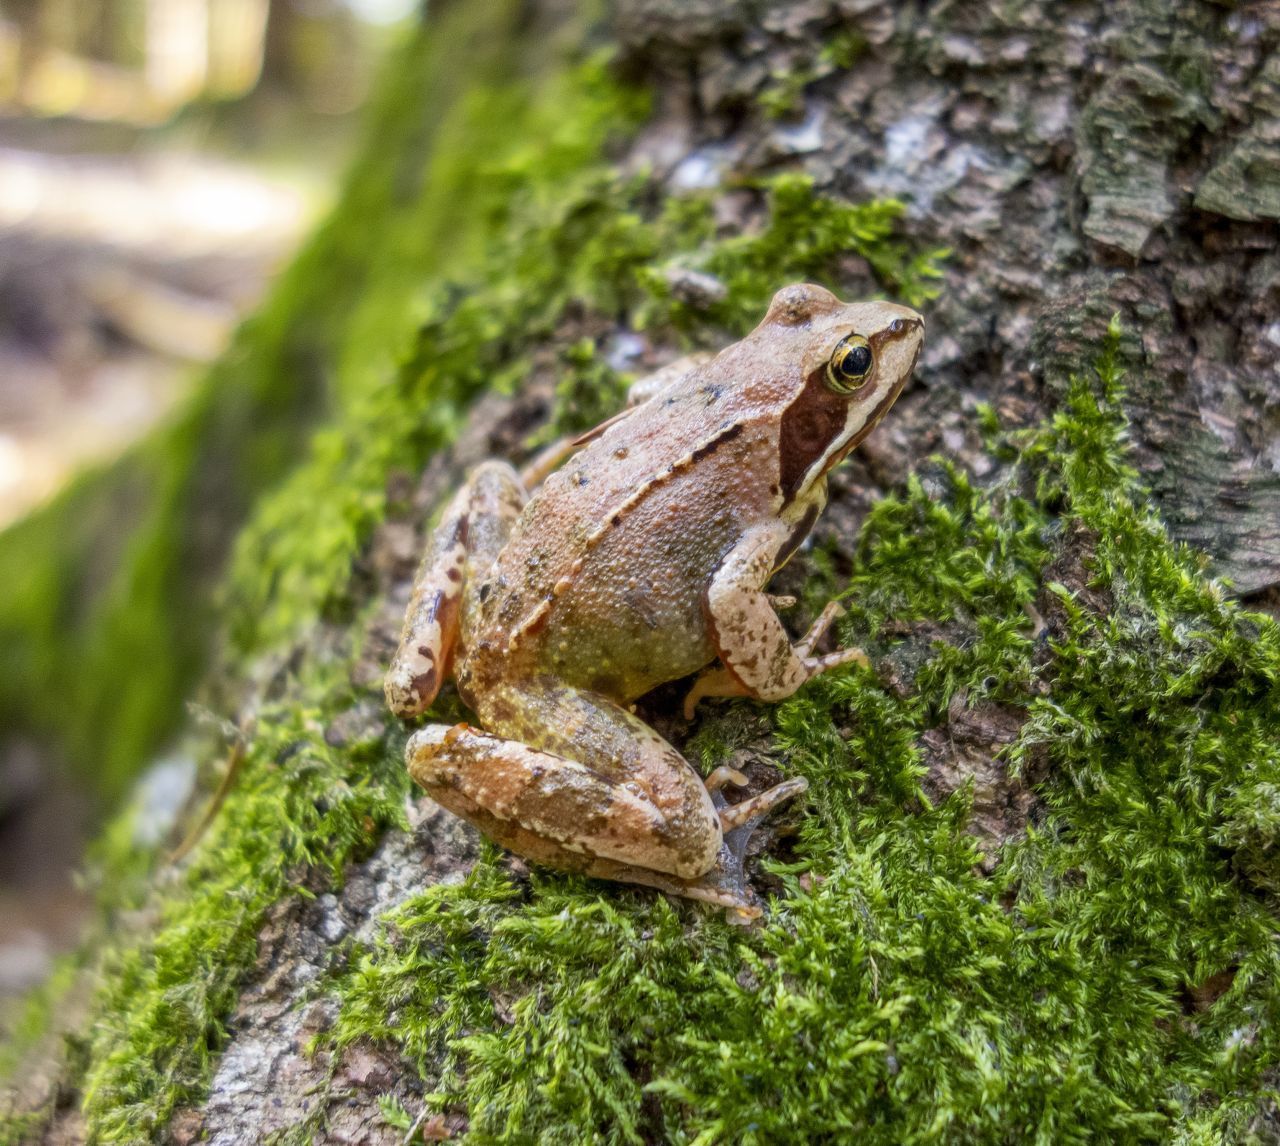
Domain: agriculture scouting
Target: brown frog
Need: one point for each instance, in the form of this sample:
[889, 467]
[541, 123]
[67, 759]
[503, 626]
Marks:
[641, 560]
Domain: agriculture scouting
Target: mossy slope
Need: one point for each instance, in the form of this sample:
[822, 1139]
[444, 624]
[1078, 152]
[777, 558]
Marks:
[896, 994]
[564, 233]
[303, 808]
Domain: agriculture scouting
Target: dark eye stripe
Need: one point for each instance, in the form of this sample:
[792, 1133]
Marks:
[808, 427]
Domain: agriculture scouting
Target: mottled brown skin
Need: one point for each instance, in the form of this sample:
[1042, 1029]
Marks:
[640, 561]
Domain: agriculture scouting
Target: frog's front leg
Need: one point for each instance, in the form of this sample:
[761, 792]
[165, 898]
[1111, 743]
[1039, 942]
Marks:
[572, 780]
[756, 653]
[471, 532]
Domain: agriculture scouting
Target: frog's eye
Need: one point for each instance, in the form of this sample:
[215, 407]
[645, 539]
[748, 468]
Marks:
[850, 364]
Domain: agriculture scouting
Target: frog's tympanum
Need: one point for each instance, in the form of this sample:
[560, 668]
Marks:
[554, 604]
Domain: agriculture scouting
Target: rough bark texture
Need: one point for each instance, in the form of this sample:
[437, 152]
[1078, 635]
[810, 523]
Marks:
[1080, 160]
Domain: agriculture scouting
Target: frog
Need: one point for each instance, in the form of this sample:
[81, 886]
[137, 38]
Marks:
[555, 597]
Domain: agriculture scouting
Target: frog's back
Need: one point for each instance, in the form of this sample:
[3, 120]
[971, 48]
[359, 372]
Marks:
[603, 581]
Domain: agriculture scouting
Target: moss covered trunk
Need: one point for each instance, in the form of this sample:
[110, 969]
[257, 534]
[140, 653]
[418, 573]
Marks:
[1034, 894]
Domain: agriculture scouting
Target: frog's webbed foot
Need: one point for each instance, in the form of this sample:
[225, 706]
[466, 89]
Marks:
[727, 883]
[745, 816]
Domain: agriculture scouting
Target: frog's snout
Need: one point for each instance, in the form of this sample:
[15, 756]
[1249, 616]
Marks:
[906, 328]
[906, 321]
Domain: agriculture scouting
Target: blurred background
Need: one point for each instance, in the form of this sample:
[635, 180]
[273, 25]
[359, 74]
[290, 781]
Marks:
[160, 160]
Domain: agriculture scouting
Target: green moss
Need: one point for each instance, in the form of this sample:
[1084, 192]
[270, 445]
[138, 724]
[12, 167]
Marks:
[844, 48]
[33, 1020]
[20, 1128]
[783, 95]
[805, 236]
[29, 1036]
[300, 811]
[353, 289]
[895, 993]
[589, 390]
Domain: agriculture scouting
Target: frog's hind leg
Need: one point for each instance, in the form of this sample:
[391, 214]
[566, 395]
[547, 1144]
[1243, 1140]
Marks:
[577, 772]
[601, 793]
[471, 531]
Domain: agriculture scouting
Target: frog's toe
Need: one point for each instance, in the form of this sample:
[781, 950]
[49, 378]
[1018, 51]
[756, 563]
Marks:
[722, 776]
[740, 820]
[726, 884]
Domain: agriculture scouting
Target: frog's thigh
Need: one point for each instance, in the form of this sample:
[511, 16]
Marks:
[751, 641]
[550, 808]
[471, 531]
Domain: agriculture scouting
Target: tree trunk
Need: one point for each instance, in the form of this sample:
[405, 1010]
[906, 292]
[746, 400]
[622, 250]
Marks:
[1034, 893]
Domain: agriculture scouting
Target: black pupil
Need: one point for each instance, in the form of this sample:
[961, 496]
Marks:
[856, 362]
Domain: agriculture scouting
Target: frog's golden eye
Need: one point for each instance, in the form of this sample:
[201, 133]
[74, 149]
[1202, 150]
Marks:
[850, 364]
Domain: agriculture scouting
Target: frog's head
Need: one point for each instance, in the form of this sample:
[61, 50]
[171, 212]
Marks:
[853, 358]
